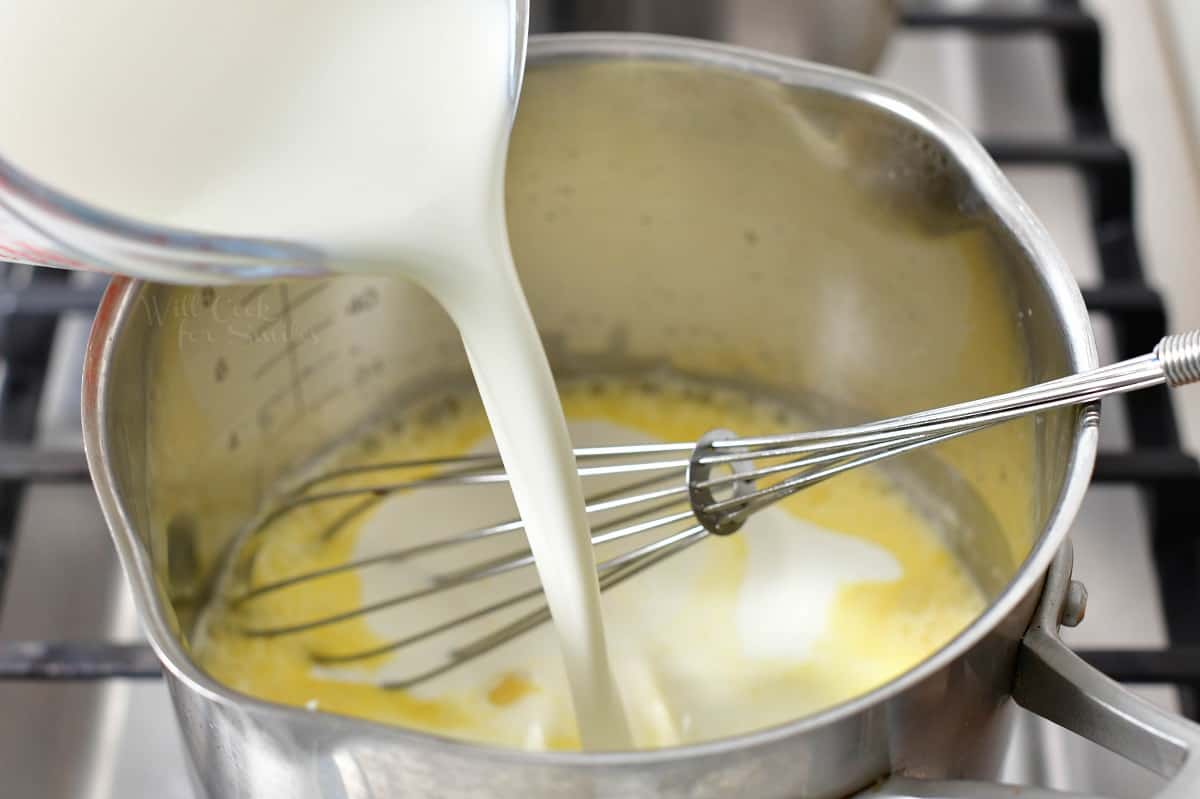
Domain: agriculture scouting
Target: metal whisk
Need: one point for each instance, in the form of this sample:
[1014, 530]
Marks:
[680, 494]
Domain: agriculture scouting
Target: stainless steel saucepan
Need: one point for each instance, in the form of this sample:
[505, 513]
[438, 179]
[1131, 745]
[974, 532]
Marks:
[842, 33]
[672, 204]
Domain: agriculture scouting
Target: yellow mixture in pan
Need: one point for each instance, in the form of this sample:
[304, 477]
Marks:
[822, 597]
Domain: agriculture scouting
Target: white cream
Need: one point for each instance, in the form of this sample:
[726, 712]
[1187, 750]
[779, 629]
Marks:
[793, 574]
[376, 132]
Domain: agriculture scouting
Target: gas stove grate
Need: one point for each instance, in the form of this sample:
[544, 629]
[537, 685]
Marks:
[1167, 477]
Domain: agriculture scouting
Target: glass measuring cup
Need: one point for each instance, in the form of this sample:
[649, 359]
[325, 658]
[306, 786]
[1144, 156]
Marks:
[42, 225]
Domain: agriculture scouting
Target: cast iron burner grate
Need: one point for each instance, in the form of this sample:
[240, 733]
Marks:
[1168, 479]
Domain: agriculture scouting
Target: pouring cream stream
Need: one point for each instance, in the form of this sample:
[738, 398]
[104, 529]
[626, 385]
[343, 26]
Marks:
[375, 132]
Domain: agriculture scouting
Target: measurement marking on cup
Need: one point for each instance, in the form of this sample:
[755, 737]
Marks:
[287, 306]
[316, 366]
[367, 373]
[306, 295]
[252, 295]
[293, 361]
[309, 334]
[292, 421]
[265, 414]
[363, 301]
[326, 398]
[363, 378]
[301, 298]
[261, 331]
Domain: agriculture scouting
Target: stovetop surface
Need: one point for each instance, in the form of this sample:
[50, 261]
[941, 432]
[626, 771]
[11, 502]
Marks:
[1022, 82]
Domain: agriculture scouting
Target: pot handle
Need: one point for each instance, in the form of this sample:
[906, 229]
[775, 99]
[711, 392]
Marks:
[1058, 685]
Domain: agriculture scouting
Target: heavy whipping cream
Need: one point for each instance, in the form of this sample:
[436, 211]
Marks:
[817, 599]
[373, 131]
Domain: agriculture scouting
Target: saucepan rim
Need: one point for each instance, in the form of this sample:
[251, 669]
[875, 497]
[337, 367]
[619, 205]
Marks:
[119, 304]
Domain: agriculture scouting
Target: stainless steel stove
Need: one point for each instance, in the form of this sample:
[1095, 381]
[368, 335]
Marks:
[82, 713]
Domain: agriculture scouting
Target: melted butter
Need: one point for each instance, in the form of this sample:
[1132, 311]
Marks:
[511, 688]
[681, 653]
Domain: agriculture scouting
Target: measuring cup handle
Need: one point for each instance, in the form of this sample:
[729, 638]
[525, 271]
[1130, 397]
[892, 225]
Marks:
[1058, 685]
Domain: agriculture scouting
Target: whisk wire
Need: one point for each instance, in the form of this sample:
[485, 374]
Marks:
[762, 470]
[608, 578]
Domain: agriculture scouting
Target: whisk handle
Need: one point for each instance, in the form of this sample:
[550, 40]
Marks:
[1179, 356]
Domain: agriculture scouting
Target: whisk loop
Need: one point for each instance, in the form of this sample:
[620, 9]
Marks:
[683, 492]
